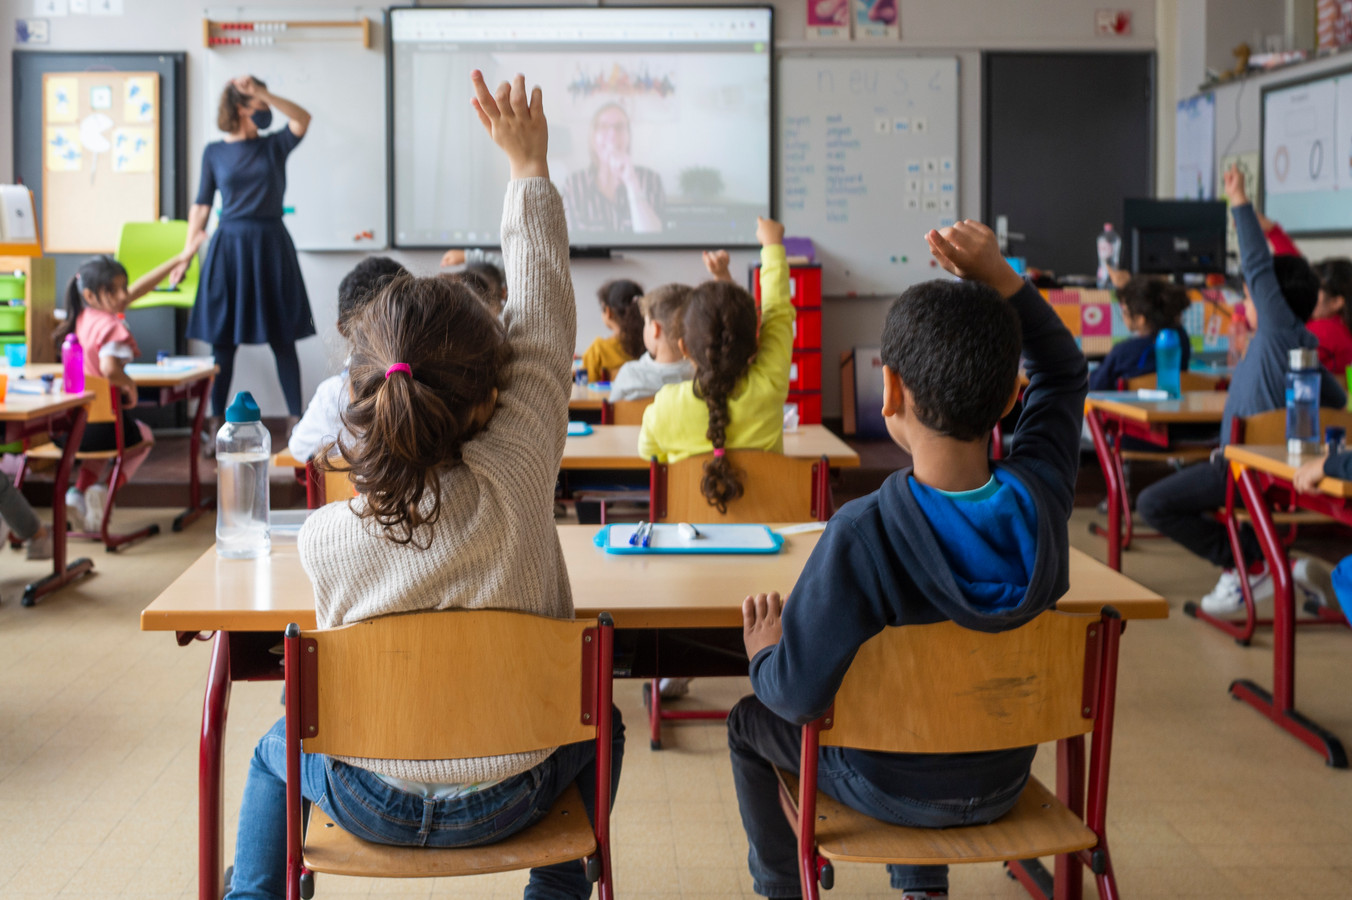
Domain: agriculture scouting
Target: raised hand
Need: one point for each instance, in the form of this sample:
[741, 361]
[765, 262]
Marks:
[452, 257]
[246, 85]
[515, 123]
[1234, 187]
[716, 261]
[769, 232]
[969, 250]
[760, 622]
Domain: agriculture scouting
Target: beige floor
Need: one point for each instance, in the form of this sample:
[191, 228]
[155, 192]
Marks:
[98, 758]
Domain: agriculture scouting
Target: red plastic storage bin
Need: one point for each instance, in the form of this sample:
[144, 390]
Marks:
[805, 285]
[809, 406]
[805, 372]
[807, 330]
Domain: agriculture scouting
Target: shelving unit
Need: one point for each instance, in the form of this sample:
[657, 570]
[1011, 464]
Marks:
[38, 275]
[805, 372]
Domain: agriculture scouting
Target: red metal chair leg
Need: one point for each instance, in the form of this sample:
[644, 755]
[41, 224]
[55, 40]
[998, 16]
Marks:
[211, 753]
[605, 687]
[62, 574]
[1111, 475]
[1068, 870]
[655, 714]
[196, 505]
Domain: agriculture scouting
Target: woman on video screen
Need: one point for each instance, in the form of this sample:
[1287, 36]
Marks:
[613, 194]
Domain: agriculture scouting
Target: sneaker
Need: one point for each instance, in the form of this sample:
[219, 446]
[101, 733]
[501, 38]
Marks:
[96, 498]
[671, 688]
[76, 510]
[1228, 597]
[1313, 581]
[40, 545]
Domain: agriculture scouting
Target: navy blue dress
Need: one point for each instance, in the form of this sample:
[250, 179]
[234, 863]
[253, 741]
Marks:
[251, 289]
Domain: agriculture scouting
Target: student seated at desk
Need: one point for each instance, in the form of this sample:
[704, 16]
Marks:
[663, 309]
[455, 449]
[1281, 295]
[1331, 321]
[321, 425]
[1148, 307]
[956, 537]
[97, 299]
[620, 313]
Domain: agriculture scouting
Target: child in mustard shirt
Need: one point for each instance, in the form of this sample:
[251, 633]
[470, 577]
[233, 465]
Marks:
[736, 400]
[620, 312]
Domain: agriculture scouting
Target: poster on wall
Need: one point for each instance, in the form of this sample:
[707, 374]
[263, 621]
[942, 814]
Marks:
[101, 157]
[1248, 167]
[1195, 148]
[828, 20]
[876, 20]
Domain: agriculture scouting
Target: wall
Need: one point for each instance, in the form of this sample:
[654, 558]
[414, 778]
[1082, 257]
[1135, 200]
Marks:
[1230, 23]
[960, 27]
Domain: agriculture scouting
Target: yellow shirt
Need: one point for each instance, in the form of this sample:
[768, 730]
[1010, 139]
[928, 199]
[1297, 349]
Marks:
[674, 426]
[604, 358]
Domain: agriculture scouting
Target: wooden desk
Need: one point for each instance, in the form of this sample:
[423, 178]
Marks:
[616, 447]
[249, 603]
[176, 383]
[1114, 415]
[28, 415]
[1263, 476]
[585, 397]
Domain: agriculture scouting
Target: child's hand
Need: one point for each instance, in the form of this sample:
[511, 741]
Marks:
[452, 258]
[769, 232]
[1234, 187]
[514, 124]
[969, 250]
[760, 622]
[1307, 477]
[716, 261]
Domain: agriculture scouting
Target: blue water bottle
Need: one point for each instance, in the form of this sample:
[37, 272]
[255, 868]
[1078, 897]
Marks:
[1168, 360]
[1302, 402]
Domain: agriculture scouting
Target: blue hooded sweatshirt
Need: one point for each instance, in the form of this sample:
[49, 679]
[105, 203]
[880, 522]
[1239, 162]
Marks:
[990, 560]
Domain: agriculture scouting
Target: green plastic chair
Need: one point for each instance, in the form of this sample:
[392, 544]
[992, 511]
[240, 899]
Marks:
[143, 246]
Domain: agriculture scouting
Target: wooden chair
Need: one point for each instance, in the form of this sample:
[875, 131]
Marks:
[1054, 679]
[378, 689]
[624, 412]
[106, 408]
[778, 488]
[1266, 428]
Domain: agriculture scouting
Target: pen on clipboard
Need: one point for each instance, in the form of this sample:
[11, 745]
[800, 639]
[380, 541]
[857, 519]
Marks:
[638, 532]
[647, 536]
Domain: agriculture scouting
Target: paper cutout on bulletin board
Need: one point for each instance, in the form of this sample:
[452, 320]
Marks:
[62, 149]
[140, 100]
[101, 97]
[61, 103]
[876, 20]
[1248, 166]
[133, 149]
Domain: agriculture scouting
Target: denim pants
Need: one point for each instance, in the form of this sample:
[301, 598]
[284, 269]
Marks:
[761, 740]
[1182, 507]
[367, 807]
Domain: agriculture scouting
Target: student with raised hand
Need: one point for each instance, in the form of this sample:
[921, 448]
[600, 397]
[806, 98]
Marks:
[457, 427]
[1282, 293]
[955, 537]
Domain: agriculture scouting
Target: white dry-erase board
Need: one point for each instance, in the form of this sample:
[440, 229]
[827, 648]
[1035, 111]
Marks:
[868, 162]
[336, 182]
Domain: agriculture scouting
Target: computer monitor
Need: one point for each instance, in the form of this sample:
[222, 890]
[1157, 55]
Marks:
[1174, 237]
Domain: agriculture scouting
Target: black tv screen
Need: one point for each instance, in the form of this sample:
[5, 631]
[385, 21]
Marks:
[659, 121]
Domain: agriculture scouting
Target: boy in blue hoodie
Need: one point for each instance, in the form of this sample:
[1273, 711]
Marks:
[955, 537]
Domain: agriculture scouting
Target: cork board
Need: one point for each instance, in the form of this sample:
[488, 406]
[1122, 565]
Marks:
[100, 157]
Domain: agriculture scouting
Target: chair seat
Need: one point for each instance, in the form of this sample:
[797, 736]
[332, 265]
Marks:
[1298, 517]
[51, 451]
[564, 834]
[1184, 454]
[1038, 825]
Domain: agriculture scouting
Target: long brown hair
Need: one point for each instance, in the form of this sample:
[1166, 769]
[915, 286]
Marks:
[720, 337]
[620, 296]
[408, 429]
[227, 112]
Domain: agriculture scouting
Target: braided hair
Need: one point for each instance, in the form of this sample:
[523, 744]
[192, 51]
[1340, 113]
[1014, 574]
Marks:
[720, 337]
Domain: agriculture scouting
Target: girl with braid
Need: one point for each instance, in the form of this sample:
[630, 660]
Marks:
[736, 400]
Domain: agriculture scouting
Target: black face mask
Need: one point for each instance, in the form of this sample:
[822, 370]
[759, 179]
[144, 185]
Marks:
[262, 118]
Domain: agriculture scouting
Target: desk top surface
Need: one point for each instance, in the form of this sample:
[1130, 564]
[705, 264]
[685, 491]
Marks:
[616, 447]
[585, 397]
[1194, 407]
[639, 591]
[1274, 460]
[25, 407]
[181, 373]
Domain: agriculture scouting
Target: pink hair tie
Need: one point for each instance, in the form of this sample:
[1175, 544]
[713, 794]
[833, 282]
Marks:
[718, 451]
[399, 367]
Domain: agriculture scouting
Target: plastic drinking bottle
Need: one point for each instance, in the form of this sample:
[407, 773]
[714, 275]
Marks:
[1168, 361]
[243, 449]
[1302, 402]
[72, 365]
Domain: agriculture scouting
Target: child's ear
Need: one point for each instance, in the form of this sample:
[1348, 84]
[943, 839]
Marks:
[893, 398]
[680, 342]
[1337, 301]
[1013, 398]
[657, 329]
[90, 298]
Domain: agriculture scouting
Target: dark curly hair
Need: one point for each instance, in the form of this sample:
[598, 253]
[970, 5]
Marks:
[362, 284]
[1299, 284]
[1159, 302]
[1335, 279]
[955, 345]
[408, 430]
[621, 298]
[720, 337]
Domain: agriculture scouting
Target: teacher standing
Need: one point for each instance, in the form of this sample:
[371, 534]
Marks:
[251, 288]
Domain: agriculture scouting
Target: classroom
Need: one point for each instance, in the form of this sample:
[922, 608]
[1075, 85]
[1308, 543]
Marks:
[675, 450]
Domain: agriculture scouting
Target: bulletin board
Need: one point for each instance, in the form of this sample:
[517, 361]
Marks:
[100, 157]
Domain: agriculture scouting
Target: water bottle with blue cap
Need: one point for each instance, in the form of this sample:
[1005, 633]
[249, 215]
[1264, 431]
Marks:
[243, 452]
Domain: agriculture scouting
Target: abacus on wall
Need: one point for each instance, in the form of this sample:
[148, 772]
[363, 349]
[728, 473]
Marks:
[266, 33]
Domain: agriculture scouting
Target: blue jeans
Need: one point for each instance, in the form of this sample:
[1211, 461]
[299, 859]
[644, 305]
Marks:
[761, 740]
[369, 808]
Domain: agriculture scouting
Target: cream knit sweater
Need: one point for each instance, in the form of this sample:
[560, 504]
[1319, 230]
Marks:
[494, 545]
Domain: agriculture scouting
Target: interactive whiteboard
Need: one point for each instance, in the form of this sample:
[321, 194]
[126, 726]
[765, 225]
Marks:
[1307, 155]
[868, 162]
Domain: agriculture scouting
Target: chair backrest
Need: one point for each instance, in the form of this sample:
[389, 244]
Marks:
[448, 684]
[629, 412]
[1187, 381]
[942, 688]
[1270, 427]
[144, 245]
[106, 404]
[777, 488]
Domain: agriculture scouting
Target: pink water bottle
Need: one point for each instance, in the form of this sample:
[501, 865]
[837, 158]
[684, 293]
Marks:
[72, 365]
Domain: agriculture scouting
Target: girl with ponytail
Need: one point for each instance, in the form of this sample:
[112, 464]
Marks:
[736, 400]
[621, 314]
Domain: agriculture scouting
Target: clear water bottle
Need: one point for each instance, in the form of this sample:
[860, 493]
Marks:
[243, 451]
[1302, 402]
[72, 365]
[1109, 253]
[1168, 362]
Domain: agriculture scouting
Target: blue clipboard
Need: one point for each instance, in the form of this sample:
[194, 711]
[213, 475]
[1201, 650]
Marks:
[579, 429]
[717, 540]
